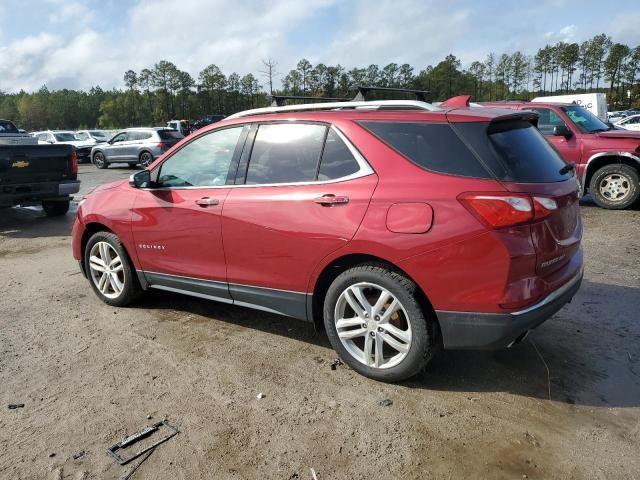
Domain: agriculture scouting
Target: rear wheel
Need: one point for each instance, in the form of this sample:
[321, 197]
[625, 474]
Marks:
[109, 270]
[55, 208]
[376, 323]
[99, 160]
[146, 159]
[615, 186]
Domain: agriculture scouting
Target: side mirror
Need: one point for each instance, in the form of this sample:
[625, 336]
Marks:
[140, 179]
[562, 131]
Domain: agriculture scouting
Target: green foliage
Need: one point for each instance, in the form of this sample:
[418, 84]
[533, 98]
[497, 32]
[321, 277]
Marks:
[154, 95]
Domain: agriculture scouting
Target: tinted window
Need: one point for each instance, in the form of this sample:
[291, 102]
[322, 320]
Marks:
[286, 153]
[66, 137]
[547, 119]
[170, 135]
[432, 146]
[204, 162]
[138, 135]
[7, 127]
[514, 151]
[337, 160]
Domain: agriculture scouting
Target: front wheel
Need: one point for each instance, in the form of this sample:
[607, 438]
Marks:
[375, 321]
[615, 186]
[99, 160]
[55, 208]
[109, 270]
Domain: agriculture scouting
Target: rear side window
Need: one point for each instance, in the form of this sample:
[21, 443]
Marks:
[7, 127]
[337, 160]
[514, 151]
[286, 153]
[138, 135]
[170, 135]
[433, 146]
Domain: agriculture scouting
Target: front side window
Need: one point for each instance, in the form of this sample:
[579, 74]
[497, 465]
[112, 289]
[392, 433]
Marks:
[121, 137]
[66, 137]
[286, 153]
[547, 119]
[204, 162]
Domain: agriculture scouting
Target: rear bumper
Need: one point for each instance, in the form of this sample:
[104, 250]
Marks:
[469, 330]
[16, 193]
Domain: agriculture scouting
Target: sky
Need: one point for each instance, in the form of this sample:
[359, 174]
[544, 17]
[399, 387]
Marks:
[82, 43]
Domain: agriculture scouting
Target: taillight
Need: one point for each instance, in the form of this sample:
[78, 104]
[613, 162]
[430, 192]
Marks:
[498, 210]
[163, 145]
[74, 162]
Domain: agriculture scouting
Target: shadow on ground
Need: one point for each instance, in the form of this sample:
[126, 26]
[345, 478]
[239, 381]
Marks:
[591, 348]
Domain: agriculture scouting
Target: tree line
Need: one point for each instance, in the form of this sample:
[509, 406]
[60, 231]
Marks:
[163, 92]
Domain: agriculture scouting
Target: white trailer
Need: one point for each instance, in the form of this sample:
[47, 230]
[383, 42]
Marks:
[596, 103]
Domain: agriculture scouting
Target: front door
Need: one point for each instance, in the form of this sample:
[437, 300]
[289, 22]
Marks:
[177, 224]
[292, 209]
[115, 152]
[569, 148]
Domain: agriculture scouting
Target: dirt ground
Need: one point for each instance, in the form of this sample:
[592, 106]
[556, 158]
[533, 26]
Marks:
[89, 374]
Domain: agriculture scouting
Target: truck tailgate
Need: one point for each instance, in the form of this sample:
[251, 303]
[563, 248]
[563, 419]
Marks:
[35, 164]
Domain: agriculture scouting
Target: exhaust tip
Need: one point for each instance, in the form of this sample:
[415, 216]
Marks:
[519, 339]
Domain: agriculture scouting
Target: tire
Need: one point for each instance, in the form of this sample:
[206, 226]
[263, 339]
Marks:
[120, 287]
[615, 186]
[417, 326]
[146, 159]
[99, 160]
[55, 208]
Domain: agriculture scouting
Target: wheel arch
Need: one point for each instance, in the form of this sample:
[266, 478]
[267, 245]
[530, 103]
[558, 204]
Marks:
[331, 271]
[92, 228]
[146, 150]
[603, 159]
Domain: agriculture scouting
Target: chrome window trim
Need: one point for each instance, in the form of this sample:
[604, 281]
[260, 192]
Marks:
[364, 170]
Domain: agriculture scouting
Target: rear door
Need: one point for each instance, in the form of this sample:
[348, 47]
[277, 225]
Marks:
[302, 192]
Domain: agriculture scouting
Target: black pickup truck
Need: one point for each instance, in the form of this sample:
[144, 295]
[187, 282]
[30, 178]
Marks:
[38, 174]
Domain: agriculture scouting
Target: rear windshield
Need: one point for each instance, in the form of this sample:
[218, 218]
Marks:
[170, 135]
[515, 151]
[7, 127]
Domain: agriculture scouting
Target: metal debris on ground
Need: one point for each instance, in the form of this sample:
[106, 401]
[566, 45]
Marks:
[126, 443]
[385, 403]
[313, 474]
[13, 406]
[260, 396]
[133, 470]
[78, 455]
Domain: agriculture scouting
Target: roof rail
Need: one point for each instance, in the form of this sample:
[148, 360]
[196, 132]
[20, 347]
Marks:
[280, 100]
[363, 92]
[335, 106]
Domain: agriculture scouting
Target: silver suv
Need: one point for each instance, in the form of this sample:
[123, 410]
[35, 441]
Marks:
[135, 145]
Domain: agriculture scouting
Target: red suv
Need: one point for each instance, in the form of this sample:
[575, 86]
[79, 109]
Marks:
[607, 159]
[400, 226]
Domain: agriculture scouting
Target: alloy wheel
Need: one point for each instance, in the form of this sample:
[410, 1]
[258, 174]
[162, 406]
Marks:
[372, 325]
[106, 270]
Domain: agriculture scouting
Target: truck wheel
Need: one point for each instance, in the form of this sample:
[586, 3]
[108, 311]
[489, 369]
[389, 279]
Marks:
[376, 323]
[615, 186]
[55, 208]
[109, 270]
[146, 159]
[99, 160]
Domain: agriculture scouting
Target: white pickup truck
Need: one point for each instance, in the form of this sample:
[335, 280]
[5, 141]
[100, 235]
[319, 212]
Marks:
[10, 135]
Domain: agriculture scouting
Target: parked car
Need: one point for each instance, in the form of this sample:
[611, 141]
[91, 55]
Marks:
[607, 159]
[11, 135]
[182, 126]
[135, 145]
[399, 226]
[66, 137]
[93, 136]
[207, 120]
[631, 122]
[38, 175]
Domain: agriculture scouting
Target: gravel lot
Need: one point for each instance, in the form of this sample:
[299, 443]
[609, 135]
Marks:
[89, 374]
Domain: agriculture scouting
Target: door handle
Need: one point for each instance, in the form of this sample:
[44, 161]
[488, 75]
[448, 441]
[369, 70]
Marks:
[330, 199]
[207, 202]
